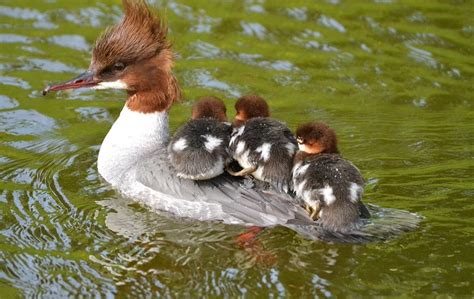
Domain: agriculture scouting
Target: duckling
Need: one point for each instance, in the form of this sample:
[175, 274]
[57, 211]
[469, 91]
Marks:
[330, 186]
[264, 147]
[198, 150]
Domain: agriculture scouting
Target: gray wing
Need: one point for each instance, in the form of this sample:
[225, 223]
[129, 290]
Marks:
[226, 197]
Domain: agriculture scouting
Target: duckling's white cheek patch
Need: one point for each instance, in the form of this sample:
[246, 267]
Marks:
[211, 143]
[180, 145]
[119, 84]
[328, 195]
[302, 147]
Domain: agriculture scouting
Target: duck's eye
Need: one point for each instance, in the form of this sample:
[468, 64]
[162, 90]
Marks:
[119, 66]
[300, 140]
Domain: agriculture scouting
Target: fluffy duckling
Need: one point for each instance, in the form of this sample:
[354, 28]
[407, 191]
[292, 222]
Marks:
[330, 186]
[264, 147]
[198, 150]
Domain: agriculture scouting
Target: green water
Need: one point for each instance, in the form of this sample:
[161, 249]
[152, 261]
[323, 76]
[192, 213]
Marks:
[394, 78]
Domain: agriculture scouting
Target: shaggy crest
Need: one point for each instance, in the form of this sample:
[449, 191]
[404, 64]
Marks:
[140, 35]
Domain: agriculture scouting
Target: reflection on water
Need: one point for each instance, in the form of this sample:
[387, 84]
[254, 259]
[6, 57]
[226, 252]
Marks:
[6, 80]
[394, 79]
[7, 103]
[75, 42]
[25, 122]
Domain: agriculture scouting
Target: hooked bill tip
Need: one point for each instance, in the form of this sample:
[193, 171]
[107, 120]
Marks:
[46, 90]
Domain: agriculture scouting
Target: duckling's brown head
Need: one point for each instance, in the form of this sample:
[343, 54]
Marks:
[315, 138]
[134, 55]
[209, 107]
[250, 106]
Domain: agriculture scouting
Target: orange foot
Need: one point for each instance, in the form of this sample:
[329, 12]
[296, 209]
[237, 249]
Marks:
[254, 247]
[248, 238]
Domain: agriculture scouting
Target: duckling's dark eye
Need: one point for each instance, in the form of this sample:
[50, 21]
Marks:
[119, 66]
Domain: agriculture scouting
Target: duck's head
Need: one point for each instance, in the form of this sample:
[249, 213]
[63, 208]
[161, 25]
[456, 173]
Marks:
[315, 138]
[248, 107]
[209, 107]
[133, 55]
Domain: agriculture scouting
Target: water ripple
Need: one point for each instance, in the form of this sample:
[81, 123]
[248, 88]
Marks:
[94, 113]
[42, 20]
[90, 16]
[422, 56]
[41, 146]
[205, 79]
[6, 38]
[256, 59]
[254, 29]
[76, 42]
[254, 7]
[182, 10]
[204, 50]
[331, 23]
[28, 272]
[21, 13]
[26, 122]
[298, 13]
[7, 102]
[6, 80]
[204, 24]
[51, 66]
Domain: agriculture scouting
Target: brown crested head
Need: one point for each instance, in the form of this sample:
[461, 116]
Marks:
[137, 53]
[250, 106]
[209, 107]
[139, 36]
[315, 138]
[134, 55]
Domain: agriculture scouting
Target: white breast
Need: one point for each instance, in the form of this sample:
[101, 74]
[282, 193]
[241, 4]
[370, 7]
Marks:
[132, 137]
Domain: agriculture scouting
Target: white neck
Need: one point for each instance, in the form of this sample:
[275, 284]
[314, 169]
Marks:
[133, 136]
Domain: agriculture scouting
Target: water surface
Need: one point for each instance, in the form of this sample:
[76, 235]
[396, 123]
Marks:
[394, 78]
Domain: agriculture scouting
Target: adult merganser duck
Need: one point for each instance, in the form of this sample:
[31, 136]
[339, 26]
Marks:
[331, 186]
[136, 56]
[198, 150]
[263, 146]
